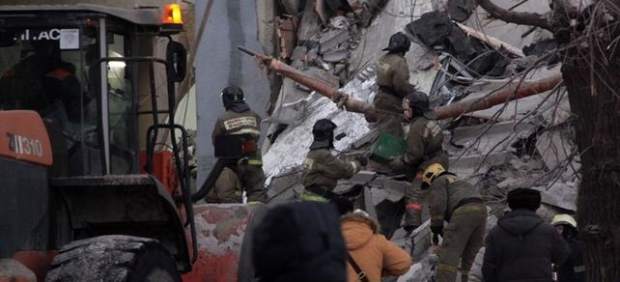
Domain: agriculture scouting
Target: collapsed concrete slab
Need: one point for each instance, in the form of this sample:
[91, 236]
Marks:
[497, 149]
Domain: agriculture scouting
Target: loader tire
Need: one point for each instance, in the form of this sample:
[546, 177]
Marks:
[113, 258]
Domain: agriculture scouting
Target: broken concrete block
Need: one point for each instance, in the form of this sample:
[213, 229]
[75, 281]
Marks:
[556, 147]
[13, 270]
[337, 56]
[334, 39]
[338, 68]
[363, 177]
[395, 189]
[309, 24]
[460, 10]
[291, 7]
[339, 22]
[556, 110]
[299, 53]
[562, 195]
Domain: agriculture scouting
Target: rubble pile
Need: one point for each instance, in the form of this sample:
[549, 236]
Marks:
[523, 143]
[318, 45]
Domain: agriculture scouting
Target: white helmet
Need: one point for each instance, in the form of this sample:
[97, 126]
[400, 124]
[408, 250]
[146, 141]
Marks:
[564, 219]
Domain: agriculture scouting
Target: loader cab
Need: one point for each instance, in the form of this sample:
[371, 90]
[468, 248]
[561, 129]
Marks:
[70, 67]
[102, 79]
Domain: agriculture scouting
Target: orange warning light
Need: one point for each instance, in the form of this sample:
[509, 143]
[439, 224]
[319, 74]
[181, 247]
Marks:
[172, 14]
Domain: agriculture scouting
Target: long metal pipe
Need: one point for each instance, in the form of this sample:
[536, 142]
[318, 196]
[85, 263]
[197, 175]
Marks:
[514, 91]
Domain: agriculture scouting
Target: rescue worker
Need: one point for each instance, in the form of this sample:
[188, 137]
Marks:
[322, 169]
[522, 247]
[246, 172]
[573, 269]
[458, 203]
[42, 82]
[373, 254]
[424, 147]
[393, 81]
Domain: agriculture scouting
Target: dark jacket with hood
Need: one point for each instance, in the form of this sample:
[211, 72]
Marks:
[522, 248]
[299, 242]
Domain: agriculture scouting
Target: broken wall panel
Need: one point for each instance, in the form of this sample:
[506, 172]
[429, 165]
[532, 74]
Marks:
[286, 32]
[508, 32]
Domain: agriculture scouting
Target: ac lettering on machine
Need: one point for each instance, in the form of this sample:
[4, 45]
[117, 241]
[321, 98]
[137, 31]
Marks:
[68, 37]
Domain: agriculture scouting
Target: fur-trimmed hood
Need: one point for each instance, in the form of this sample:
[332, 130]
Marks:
[357, 230]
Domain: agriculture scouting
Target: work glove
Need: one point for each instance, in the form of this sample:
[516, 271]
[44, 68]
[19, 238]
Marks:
[363, 160]
[435, 239]
[437, 230]
[409, 228]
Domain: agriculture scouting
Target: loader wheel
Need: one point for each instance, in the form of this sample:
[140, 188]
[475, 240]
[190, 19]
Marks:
[113, 258]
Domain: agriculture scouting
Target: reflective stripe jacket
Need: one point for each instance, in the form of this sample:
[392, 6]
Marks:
[233, 123]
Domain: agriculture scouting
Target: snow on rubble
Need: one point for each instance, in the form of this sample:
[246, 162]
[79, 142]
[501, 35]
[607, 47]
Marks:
[291, 147]
[524, 143]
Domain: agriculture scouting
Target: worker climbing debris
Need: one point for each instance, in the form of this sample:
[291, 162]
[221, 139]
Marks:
[322, 169]
[245, 173]
[393, 81]
[424, 147]
[458, 203]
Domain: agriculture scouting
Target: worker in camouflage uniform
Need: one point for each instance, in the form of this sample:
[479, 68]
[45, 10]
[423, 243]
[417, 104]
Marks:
[322, 169]
[247, 171]
[424, 147]
[460, 204]
[393, 81]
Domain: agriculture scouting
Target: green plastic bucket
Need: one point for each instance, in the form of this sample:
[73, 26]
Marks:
[387, 147]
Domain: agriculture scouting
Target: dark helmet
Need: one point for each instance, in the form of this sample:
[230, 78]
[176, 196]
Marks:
[399, 42]
[231, 95]
[418, 101]
[323, 130]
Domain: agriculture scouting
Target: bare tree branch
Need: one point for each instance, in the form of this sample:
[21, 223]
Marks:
[523, 18]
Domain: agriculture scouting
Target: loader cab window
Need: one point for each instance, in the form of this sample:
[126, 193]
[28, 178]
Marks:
[37, 74]
[51, 64]
[121, 106]
[42, 68]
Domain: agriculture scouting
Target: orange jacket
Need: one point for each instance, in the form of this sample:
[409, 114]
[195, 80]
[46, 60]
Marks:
[374, 254]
